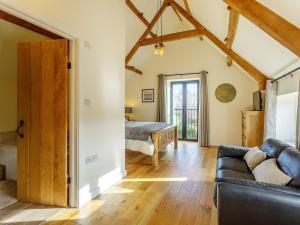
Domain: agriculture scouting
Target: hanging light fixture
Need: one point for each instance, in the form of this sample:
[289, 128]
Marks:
[159, 48]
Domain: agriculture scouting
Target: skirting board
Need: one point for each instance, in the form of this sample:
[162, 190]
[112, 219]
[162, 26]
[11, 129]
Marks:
[104, 182]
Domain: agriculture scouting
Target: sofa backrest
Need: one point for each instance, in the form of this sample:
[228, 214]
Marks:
[273, 147]
[289, 162]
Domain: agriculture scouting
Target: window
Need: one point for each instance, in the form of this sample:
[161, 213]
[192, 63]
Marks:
[287, 117]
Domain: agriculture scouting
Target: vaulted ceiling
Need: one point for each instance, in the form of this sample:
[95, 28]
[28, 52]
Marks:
[251, 43]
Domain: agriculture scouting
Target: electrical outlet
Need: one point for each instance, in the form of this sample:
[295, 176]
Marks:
[91, 159]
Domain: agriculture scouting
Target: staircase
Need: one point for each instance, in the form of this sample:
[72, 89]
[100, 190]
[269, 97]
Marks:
[2, 172]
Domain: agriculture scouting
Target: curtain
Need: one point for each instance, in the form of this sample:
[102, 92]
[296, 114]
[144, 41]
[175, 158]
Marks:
[270, 110]
[298, 121]
[161, 99]
[203, 126]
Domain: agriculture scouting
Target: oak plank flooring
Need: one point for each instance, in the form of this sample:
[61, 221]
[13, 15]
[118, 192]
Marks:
[8, 193]
[180, 193]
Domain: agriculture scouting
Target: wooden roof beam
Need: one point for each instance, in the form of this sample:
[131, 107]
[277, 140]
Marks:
[251, 70]
[187, 7]
[277, 27]
[133, 69]
[179, 17]
[148, 30]
[233, 23]
[173, 37]
[139, 15]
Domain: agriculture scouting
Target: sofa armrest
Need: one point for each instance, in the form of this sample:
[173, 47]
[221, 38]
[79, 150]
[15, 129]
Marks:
[256, 204]
[232, 151]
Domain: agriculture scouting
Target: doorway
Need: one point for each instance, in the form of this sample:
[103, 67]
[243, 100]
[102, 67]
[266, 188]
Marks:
[51, 81]
[184, 108]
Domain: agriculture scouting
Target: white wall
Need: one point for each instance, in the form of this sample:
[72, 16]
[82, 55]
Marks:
[10, 36]
[194, 56]
[101, 75]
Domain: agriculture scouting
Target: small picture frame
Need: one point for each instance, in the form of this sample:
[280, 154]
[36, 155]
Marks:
[147, 95]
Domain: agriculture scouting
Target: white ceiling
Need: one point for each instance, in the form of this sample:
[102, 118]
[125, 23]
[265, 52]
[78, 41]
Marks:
[253, 44]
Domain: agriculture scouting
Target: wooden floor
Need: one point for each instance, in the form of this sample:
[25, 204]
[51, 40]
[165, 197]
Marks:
[180, 193]
[8, 193]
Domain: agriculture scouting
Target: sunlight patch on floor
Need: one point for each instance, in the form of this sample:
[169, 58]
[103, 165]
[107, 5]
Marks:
[118, 190]
[30, 215]
[166, 179]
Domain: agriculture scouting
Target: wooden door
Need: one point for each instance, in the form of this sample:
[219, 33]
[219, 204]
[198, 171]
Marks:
[42, 116]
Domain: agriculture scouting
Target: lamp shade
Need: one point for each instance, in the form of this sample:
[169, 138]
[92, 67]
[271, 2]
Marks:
[128, 109]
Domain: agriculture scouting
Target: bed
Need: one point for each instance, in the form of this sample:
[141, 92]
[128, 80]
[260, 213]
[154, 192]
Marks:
[149, 138]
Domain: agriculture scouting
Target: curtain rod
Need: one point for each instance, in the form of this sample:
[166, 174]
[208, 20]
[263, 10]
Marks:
[289, 73]
[183, 74]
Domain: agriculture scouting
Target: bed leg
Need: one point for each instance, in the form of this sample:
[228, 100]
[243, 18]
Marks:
[155, 159]
[175, 138]
[155, 153]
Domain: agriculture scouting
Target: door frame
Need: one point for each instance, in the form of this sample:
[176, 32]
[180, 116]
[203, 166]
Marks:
[73, 89]
[184, 97]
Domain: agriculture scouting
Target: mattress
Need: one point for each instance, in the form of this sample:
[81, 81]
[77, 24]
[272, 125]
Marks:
[139, 146]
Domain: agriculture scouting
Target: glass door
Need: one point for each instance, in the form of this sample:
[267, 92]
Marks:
[184, 104]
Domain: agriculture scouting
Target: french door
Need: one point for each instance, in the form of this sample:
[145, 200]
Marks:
[184, 108]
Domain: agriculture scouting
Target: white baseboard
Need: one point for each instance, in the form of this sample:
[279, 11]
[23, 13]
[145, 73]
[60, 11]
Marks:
[104, 182]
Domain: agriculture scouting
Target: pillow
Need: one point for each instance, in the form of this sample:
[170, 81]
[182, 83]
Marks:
[268, 172]
[254, 157]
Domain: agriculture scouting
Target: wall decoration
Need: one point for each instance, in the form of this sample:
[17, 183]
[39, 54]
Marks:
[225, 93]
[147, 95]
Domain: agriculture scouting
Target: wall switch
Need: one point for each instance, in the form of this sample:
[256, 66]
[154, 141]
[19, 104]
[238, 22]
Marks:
[86, 44]
[87, 102]
[91, 159]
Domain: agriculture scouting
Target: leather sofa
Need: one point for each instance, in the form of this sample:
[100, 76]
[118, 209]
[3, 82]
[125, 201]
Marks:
[243, 201]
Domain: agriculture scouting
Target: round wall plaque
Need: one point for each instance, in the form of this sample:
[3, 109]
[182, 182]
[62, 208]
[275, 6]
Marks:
[225, 93]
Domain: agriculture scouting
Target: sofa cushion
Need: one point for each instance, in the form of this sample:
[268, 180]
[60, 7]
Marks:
[229, 163]
[254, 157]
[268, 172]
[273, 147]
[289, 162]
[231, 174]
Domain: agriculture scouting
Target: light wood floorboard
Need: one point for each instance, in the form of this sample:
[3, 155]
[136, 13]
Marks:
[8, 193]
[180, 193]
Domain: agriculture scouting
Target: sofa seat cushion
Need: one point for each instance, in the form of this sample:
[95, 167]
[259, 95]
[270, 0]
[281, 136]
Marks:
[235, 164]
[231, 174]
[289, 162]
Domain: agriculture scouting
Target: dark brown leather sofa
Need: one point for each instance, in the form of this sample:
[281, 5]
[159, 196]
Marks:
[243, 201]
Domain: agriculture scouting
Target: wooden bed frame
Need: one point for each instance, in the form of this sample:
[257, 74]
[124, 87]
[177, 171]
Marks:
[161, 139]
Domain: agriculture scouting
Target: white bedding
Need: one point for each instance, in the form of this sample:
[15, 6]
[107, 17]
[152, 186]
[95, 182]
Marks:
[139, 146]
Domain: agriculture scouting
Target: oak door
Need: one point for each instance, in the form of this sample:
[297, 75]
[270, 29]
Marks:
[42, 122]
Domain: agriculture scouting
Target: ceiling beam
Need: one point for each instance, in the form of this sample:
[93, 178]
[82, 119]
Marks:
[251, 70]
[133, 69]
[144, 35]
[187, 7]
[173, 37]
[277, 27]
[25, 24]
[139, 15]
[179, 17]
[233, 23]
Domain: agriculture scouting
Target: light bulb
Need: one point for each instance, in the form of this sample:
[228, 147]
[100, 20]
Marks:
[161, 49]
[156, 50]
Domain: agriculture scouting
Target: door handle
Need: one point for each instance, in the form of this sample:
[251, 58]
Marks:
[20, 125]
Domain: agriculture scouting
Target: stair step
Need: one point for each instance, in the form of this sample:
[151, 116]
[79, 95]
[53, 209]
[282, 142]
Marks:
[2, 172]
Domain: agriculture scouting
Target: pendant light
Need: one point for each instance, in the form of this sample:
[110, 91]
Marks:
[159, 48]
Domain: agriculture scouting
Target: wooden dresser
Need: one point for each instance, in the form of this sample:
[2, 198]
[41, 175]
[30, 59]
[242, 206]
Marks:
[252, 128]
